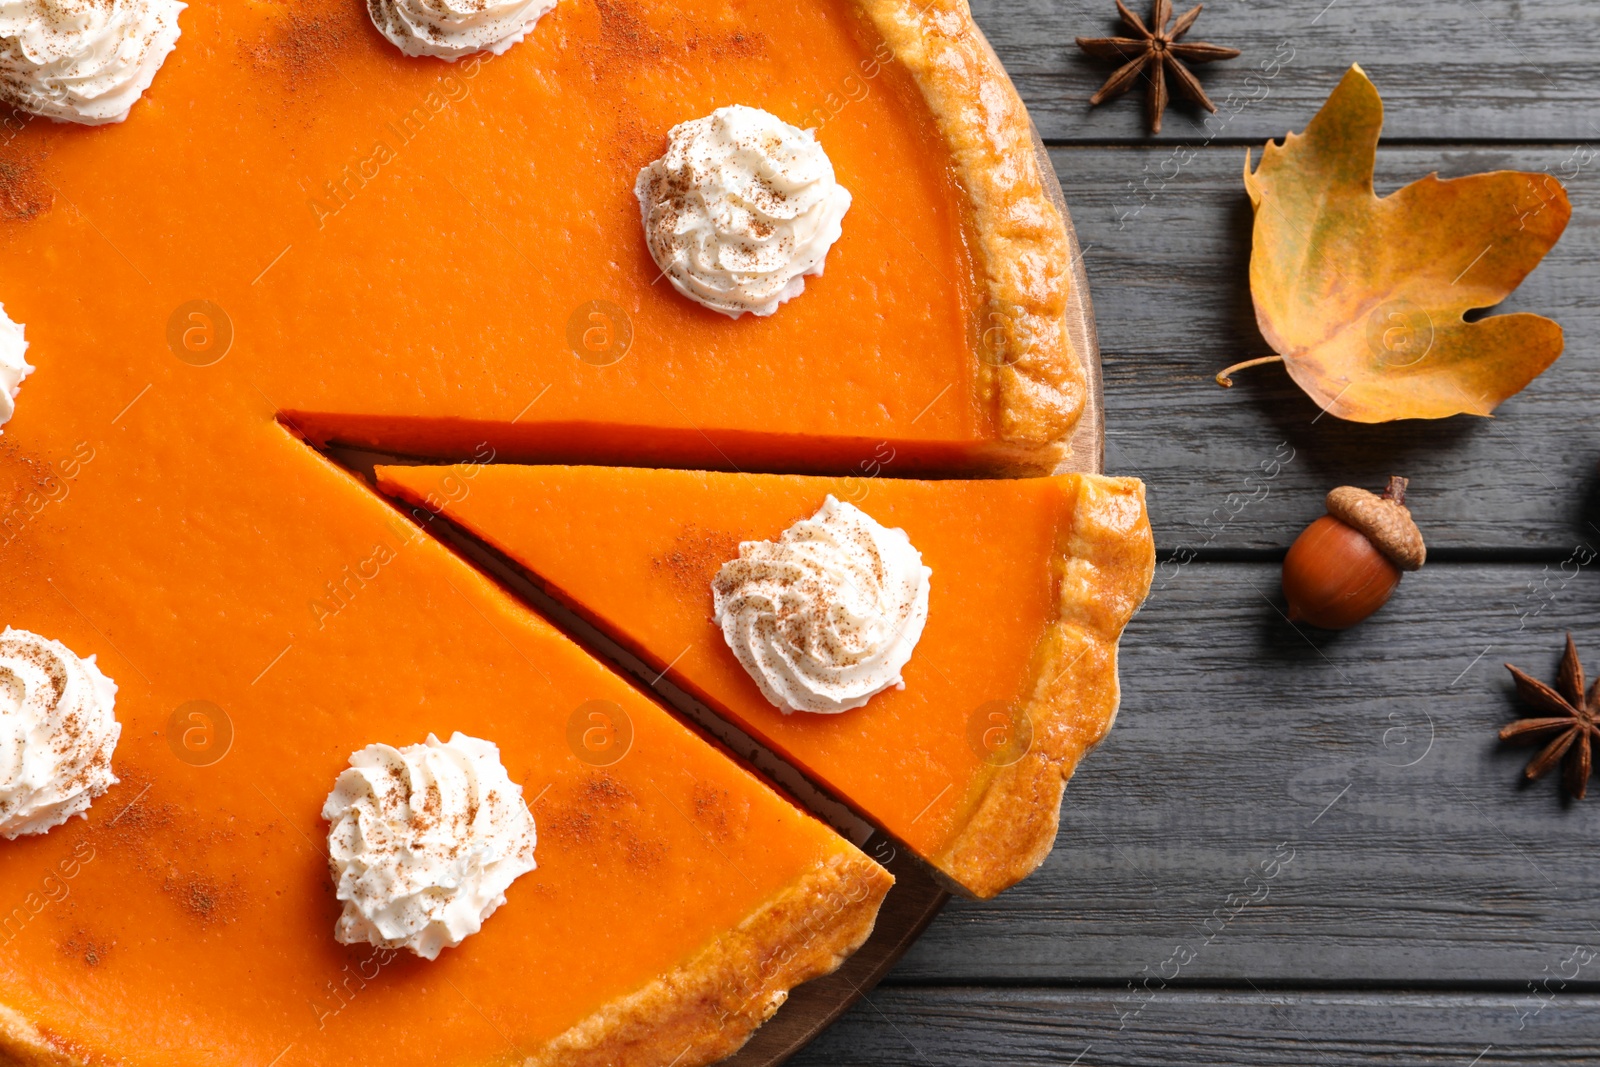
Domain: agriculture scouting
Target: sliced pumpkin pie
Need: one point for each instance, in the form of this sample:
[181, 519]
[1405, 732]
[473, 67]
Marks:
[264, 616]
[945, 680]
[288, 218]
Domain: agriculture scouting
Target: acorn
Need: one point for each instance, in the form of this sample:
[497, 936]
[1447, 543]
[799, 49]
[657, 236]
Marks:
[1344, 566]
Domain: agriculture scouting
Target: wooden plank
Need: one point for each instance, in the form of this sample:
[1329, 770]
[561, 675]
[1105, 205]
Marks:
[1247, 468]
[1290, 804]
[1095, 1028]
[1483, 70]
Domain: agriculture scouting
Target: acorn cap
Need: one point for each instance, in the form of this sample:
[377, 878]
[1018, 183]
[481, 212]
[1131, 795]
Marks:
[1384, 520]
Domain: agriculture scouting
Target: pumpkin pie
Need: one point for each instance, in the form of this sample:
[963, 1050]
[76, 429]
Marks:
[300, 234]
[1012, 681]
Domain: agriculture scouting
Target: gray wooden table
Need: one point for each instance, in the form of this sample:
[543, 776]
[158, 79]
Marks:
[1412, 902]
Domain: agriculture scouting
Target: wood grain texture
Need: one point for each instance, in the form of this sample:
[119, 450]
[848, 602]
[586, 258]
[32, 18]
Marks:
[1296, 805]
[1167, 244]
[1091, 1028]
[1477, 70]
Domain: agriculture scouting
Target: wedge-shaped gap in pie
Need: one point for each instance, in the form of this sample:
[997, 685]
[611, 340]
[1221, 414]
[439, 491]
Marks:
[677, 445]
[652, 680]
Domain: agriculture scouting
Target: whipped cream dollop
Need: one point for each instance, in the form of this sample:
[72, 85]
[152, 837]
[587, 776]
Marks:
[13, 364]
[741, 208]
[826, 616]
[85, 61]
[424, 841]
[451, 29]
[58, 730]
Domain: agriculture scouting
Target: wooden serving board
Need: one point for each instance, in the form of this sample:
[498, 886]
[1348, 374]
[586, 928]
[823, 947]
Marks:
[916, 898]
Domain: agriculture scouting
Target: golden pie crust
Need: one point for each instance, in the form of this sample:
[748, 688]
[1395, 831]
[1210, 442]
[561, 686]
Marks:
[1028, 367]
[24, 1044]
[1103, 573]
[707, 1009]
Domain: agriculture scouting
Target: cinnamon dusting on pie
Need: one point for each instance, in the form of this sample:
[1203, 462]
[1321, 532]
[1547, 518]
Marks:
[695, 557]
[24, 194]
[86, 947]
[735, 45]
[605, 791]
[180, 872]
[626, 40]
[568, 824]
[40, 474]
[641, 853]
[209, 901]
[301, 51]
[629, 148]
[597, 823]
[134, 821]
[718, 811]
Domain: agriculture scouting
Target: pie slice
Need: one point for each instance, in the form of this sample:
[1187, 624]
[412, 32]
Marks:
[190, 919]
[1014, 677]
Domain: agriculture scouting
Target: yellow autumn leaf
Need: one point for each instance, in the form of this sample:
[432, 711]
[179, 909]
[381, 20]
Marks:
[1364, 299]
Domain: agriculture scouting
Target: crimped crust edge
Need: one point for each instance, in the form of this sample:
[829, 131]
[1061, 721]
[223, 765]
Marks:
[1028, 367]
[1103, 567]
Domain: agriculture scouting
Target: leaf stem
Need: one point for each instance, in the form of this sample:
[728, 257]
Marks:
[1224, 376]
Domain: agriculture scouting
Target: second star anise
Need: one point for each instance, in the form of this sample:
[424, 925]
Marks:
[1569, 723]
[1156, 54]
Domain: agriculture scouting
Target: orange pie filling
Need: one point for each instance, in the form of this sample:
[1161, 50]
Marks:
[300, 227]
[190, 917]
[421, 256]
[1013, 677]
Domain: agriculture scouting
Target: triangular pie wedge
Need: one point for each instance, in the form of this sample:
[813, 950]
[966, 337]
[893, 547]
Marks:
[189, 920]
[1013, 680]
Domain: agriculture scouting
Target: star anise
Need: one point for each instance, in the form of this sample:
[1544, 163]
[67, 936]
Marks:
[1569, 723]
[1157, 54]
